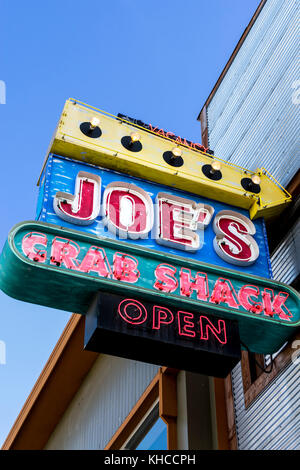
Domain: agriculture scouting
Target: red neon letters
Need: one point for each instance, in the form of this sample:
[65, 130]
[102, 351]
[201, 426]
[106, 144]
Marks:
[92, 260]
[161, 316]
[276, 304]
[178, 220]
[177, 139]
[83, 207]
[132, 311]
[188, 324]
[125, 268]
[246, 295]
[30, 246]
[128, 212]
[220, 332]
[95, 262]
[234, 242]
[165, 278]
[188, 284]
[224, 292]
[64, 252]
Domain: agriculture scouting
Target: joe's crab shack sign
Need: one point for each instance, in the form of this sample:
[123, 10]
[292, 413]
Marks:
[150, 264]
[102, 231]
[105, 203]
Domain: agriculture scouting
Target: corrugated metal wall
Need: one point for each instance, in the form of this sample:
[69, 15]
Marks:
[273, 420]
[253, 122]
[252, 119]
[98, 408]
[286, 258]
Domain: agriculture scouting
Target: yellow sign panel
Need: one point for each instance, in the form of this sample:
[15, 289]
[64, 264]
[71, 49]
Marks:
[90, 135]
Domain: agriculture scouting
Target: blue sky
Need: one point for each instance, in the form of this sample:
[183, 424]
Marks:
[156, 61]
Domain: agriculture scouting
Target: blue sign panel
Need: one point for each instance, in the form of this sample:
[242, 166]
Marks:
[113, 205]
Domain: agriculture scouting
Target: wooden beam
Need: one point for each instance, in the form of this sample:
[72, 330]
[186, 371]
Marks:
[221, 416]
[230, 414]
[168, 404]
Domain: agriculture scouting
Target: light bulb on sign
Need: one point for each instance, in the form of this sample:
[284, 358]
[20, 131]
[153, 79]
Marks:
[176, 152]
[135, 137]
[94, 122]
[255, 179]
[251, 184]
[215, 166]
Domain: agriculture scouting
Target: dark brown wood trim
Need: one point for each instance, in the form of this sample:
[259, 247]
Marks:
[246, 376]
[168, 404]
[280, 362]
[53, 390]
[294, 185]
[233, 55]
[204, 129]
[232, 437]
[171, 433]
[221, 415]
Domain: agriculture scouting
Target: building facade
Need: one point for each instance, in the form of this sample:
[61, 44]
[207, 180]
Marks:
[252, 119]
[86, 400]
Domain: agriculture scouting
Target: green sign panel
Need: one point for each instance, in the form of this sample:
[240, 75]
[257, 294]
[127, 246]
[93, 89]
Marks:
[62, 268]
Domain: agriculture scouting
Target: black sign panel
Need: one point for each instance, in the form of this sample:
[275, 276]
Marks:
[143, 331]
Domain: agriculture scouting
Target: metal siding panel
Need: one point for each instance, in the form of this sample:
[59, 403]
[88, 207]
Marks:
[229, 85]
[289, 440]
[259, 132]
[252, 122]
[251, 119]
[249, 64]
[286, 258]
[264, 425]
[105, 398]
[267, 425]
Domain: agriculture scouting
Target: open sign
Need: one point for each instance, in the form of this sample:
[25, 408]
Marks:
[135, 329]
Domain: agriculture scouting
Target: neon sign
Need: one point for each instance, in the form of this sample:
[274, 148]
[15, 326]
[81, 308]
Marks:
[178, 294]
[43, 264]
[189, 340]
[107, 204]
[165, 134]
[128, 211]
[83, 207]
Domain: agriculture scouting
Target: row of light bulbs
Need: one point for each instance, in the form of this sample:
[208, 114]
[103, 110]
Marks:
[176, 152]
